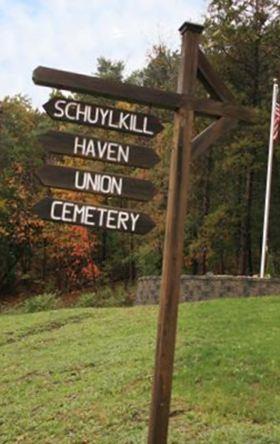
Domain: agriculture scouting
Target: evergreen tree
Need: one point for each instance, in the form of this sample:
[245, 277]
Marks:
[241, 40]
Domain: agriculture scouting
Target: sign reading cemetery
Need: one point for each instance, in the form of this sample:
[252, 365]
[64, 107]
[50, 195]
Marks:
[92, 148]
[93, 216]
[95, 182]
[99, 116]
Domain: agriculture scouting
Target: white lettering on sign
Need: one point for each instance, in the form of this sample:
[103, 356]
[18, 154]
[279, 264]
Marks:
[88, 216]
[111, 221]
[67, 212]
[89, 118]
[59, 111]
[114, 152]
[101, 217]
[110, 121]
[111, 118]
[145, 124]
[134, 219]
[93, 216]
[123, 121]
[55, 204]
[67, 111]
[123, 218]
[80, 212]
[100, 183]
[103, 115]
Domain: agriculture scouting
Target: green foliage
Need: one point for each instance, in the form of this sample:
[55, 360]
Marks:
[216, 244]
[28, 247]
[42, 302]
[148, 261]
[86, 300]
[106, 297]
[244, 33]
[109, 69]
[19, 156]
[240, 40]
[84, 375]
[161, 70]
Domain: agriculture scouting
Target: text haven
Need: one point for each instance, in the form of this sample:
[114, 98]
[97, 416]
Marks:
[103, 150]
[99, 217]
[93, 148]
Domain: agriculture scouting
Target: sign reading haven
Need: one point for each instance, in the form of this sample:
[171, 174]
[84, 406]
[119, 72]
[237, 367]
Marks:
[103, 117]
[93, 148]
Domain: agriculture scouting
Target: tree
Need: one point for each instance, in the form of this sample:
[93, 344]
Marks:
[108, 69]
[18, 159]
[161, 70]
[34, 253]
[241, 41]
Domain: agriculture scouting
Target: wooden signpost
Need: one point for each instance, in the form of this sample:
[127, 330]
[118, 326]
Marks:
[87, 147]
[92, 148]
[72, 111]
[220, 105]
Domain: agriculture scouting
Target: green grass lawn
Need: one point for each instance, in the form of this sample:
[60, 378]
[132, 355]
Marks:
[84, 375]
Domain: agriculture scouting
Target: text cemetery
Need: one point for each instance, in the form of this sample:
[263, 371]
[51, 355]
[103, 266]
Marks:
[94, 216]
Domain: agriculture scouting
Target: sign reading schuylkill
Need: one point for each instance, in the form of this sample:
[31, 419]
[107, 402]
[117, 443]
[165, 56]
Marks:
[93, 216]
[92, 148]
[96, 182]
[83, 113]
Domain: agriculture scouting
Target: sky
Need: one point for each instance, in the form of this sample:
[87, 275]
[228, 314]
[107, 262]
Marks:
[72, 34]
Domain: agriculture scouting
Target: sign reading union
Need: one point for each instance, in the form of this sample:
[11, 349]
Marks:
[103, 117]
[93, 216]
[95, 182]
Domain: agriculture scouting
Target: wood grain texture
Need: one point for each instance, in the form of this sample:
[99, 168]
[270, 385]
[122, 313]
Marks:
[212, 81]
[173, 245]
[93, 182]
[95, 86]
[105, 117]
[148, 96]
[211, 134]
[209, 107]
[93, 216]
[93, 148]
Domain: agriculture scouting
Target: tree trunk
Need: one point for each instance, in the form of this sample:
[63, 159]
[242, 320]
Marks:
[246, 265]
[206, 203]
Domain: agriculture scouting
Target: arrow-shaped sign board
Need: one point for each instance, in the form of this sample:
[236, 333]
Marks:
[73, 111]
[93, 216]
[92, 148]
[95, 182]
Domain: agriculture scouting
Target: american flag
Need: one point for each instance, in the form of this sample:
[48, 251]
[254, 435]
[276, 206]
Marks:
[276, 125]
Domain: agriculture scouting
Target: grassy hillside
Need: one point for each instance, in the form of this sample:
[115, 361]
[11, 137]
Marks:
[84, 375]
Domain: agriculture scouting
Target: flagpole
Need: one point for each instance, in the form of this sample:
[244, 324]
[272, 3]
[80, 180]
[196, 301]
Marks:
[268, 181]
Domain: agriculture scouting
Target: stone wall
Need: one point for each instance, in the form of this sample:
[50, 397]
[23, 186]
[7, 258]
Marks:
[196, 288]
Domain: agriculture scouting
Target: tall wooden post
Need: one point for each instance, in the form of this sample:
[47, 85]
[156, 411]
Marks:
[194, 64]
[174, 238]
